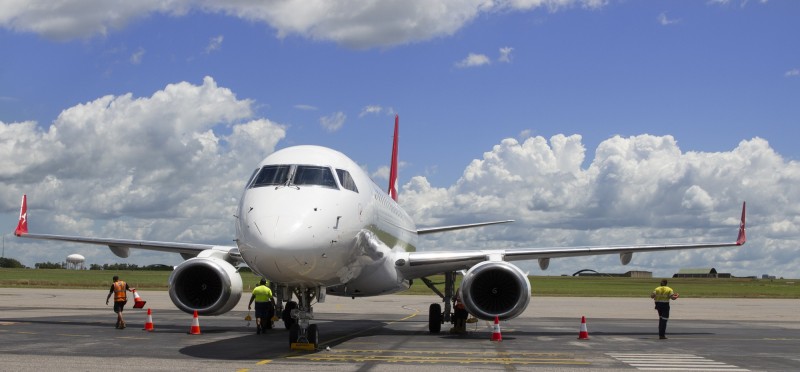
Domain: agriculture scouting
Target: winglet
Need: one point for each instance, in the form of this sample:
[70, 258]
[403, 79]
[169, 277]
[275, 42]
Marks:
[393, 169]
[742, 237]
[22, 225]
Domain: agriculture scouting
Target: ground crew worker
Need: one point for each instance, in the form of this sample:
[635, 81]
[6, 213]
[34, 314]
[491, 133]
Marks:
[118, 289]
[459, 315]
[662, 295]
[265, 306]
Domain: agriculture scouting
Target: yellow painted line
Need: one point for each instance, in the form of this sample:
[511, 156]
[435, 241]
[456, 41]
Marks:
[265, 361]
[243, 370]
[27, 333]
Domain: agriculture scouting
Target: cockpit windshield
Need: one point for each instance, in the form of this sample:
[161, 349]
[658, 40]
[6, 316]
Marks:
[294, 175]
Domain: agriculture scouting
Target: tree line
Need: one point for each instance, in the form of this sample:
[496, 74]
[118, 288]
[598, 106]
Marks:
[14, 264]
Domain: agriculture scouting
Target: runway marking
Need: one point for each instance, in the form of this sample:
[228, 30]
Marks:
[674, 362]
[442, 357]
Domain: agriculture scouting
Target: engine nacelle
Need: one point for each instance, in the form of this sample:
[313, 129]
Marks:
[495, 288]
[206, 284]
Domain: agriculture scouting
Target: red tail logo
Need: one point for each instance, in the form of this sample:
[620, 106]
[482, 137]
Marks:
[742, 236]
[22, 225]
[393, 169]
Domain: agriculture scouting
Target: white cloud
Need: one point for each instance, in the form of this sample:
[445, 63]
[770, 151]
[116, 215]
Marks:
[792, 73]
[505, 54]
[371, 109]
[136, 57]
[640, 189]
[666, 21]
[305, 107]
[356, 24]
[333, 122]
[474, 60]
[214, 44]
[164, 167]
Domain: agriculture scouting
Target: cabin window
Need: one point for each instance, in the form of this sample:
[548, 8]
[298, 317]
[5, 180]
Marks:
[271, 175]
[310, 175]
[346, 180]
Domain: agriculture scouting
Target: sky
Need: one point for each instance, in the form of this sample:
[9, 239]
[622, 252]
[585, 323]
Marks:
[589, 122]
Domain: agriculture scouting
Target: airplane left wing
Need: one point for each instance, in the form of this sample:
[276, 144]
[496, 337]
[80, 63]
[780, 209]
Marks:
[121, 247]
[429, 263]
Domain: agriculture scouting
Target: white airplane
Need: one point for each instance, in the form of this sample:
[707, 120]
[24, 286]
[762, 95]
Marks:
[313, 222]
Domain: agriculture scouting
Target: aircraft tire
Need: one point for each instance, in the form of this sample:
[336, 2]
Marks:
[435, 318]
[313, 335]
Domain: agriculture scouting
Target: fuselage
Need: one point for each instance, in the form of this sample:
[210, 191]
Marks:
[310, 216]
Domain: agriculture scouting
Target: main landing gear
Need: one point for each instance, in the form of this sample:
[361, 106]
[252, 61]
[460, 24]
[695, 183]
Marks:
[297, 316]
[436, 317]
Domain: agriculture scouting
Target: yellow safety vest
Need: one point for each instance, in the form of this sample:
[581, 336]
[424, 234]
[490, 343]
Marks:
[262, 293]
[663, 294]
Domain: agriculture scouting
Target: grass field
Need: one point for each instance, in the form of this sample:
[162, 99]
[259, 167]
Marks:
[541, 285]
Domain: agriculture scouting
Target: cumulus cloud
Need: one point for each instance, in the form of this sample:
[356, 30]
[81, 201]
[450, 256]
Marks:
[356, 24]
[792, 73]
[473, 60]
[305, 107]
[640, 189]
[371, 109]
[333, 122]
[163, 167]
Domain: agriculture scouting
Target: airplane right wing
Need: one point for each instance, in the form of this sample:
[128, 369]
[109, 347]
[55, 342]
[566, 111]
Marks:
[121, 247]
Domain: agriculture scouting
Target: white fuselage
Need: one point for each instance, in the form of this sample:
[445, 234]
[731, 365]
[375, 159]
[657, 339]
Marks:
[311, 217]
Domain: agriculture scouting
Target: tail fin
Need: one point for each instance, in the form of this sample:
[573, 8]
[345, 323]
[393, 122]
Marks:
[22, 225]
[393, 169]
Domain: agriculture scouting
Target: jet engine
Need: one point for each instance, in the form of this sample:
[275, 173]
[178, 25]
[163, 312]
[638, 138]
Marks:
[495, 288]
[207, 284]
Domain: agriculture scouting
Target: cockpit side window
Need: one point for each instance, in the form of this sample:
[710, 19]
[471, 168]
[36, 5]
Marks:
[346, 180]
[315, 176]
[271, 175]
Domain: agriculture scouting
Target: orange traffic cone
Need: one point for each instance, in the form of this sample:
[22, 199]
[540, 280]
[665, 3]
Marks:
[195, 330]
[496, 336]
[148, 324]
[584, 333]
[138, 303]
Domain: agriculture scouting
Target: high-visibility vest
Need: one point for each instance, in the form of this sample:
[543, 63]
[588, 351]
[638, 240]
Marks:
[262, 293]
[119, 291]
[662, 294]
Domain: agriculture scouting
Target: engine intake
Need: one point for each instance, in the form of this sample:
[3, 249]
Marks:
[209, 285]
[495, 288]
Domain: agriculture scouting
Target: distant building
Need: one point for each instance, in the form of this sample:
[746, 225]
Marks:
[700, 273]
[629, 274]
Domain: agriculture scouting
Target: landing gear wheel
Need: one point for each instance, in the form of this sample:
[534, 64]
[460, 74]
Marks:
[286, 315]
[293, 334]
[435, 318]
[313, 335]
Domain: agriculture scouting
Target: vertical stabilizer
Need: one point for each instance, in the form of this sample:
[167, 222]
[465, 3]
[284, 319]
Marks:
[22, 225]
[393, 169]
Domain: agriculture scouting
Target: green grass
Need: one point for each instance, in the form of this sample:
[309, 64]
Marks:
[541, 285]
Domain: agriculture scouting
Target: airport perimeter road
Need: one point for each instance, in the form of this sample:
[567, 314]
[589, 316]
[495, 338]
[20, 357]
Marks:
[74, 330]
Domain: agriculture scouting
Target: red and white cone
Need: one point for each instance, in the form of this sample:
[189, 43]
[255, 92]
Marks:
[148, 323]
[584, 333]
[195, 330]
[138, 303]
[496, 336]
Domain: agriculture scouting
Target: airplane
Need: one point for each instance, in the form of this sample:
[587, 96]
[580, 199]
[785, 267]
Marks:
[312, 222]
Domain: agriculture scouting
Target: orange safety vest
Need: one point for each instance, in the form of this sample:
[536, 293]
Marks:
[119, 291]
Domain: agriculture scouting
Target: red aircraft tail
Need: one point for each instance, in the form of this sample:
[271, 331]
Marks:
[393, 169]
[22, 225]
[742, 236]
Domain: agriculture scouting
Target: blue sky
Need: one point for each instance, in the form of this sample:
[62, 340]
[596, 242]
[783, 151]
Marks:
[463, 75]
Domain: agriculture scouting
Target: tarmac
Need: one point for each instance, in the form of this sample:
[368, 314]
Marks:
[73, 330]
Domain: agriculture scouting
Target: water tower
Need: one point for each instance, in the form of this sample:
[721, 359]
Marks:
[75, 261]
